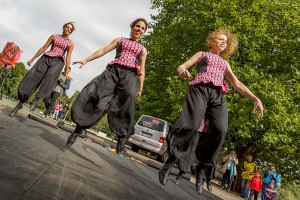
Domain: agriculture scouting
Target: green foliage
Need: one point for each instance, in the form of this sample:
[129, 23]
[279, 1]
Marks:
[289, 192]
[10, 86]
[267, 61]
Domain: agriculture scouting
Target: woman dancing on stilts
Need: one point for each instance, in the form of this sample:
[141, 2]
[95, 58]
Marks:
[205, 97]
[46, 70]
[114, 91]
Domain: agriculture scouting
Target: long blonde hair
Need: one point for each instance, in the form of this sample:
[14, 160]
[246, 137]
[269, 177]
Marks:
[232, 42]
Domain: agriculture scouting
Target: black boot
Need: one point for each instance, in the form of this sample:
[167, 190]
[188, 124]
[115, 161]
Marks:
[199, 181]
[210, 174]
[34, 104]
[120, 144]
[209, 187]
[164, 175]
[15, 110]
[72, 138]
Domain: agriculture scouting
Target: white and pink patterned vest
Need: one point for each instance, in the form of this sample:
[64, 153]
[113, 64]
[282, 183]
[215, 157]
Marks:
[128, 54]
[59, 47]
[210, 69]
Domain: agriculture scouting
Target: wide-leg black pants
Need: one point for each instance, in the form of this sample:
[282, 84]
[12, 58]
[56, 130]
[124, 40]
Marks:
[201, 100]
[44, 74]
[113, 92]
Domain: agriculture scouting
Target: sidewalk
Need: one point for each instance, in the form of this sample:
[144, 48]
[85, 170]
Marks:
[6, 107]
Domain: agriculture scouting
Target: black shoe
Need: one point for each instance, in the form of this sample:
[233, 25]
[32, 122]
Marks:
[72, 138]
[199, 188]
[209, 187]
[178, 179]
[199, 180]
[15, 110]
[59, 124]
[164, 176]
[34, 104]
[120, 144]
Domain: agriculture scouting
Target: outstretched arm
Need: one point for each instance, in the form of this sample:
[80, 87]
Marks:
[99, 52]
[242, 89]
[41, 50]
[183, 68]
[142, 70]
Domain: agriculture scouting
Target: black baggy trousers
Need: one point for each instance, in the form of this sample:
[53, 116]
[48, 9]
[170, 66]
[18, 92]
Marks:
[44, 74]
[202, 99]
[113, 92]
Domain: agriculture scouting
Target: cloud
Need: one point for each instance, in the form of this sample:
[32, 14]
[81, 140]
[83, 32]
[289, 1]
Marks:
[30, 23]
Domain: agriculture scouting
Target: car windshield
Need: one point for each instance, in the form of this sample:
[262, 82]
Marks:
[152, 123]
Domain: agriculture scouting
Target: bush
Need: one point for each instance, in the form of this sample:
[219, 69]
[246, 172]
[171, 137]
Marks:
[289, 192]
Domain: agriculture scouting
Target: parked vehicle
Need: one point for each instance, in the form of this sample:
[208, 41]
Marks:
[150, 135]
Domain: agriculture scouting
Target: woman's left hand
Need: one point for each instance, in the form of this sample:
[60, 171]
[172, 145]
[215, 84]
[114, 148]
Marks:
[258, 105]
[138, 96]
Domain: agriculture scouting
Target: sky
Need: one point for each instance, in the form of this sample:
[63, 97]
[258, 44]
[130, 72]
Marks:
[29, 23]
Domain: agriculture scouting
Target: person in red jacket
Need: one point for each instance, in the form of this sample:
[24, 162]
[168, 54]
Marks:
[255, 186]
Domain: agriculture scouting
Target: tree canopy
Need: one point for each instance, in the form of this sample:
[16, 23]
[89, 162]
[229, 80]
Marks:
[15, 75]
[267, 62]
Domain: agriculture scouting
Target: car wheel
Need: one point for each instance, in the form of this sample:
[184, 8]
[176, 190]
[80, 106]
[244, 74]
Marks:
[135, 148]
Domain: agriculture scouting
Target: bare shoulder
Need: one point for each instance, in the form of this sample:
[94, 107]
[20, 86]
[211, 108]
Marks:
[52, 36]
[117, 39]
[144, 50]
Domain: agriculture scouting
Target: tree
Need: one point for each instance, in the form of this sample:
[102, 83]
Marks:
[10, 87]
[267, 61]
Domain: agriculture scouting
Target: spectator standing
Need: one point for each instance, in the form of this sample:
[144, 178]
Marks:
[248, 169]
[255, 186]
[62, 114]
[270, 176]
[58, 107]
[229, 170]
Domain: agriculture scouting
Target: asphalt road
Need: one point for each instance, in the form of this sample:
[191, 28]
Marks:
[36, 164]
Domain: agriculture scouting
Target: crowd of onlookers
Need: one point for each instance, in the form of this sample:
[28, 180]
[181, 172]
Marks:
[252, 182]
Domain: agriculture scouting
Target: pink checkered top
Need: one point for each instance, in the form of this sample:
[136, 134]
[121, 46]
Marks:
[204, 126]
[128, 54]
[212, 71]
[59, 47]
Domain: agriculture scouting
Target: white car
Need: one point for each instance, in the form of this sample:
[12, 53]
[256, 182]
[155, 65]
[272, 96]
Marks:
[150, 134]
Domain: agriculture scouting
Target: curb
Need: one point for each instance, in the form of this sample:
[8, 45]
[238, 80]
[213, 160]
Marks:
[34, 117]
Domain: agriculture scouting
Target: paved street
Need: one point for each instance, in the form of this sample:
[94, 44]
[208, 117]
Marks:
[36, 164]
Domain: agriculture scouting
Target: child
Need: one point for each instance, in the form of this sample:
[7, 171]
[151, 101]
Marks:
[58, 107]
[270, 191]
[248, 169]
[255, 185]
